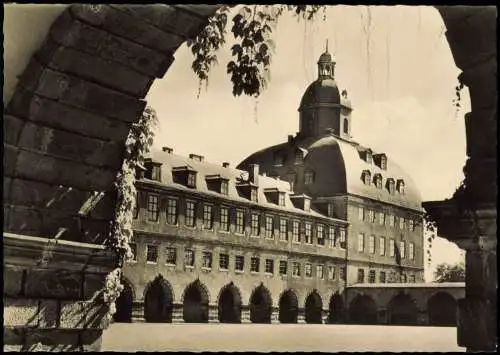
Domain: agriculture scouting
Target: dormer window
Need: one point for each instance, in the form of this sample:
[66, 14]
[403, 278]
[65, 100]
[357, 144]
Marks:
[368, 156]
[390, 186]
[401, 186]
[153, 170]
[281, 199]
[301, 201]
[184, 175]
[279, 159]
[366, 176]
[274, 195]
[307, 205]
[377, 179]
[308, 177]
[298, 157]
[253, 193]
[218, 184]
[380, 160]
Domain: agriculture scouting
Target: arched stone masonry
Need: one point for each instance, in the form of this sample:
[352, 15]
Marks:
[78, 97]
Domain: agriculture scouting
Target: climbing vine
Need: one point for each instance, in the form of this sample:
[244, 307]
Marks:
[458, 95]
[137, 145]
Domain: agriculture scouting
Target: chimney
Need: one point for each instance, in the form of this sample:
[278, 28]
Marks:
[225, 164]
[290, 139]
[196, 157]
[253, 173]
[167, 150]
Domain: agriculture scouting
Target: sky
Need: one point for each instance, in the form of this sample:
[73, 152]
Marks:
[394, 62]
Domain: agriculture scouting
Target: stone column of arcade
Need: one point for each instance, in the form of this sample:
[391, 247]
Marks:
[469, 217]
[64, 132]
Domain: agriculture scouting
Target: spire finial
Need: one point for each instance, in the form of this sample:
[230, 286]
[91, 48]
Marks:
[326, 45]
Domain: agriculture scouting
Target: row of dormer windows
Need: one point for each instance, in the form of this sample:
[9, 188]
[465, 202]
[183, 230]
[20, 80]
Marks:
[301, 231]
[371, 216]
[171, 258]
[379, 159]
[394, 251]
[390, 185]
[383, 277]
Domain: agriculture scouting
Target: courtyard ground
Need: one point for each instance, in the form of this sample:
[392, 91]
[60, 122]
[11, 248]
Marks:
[277, 337]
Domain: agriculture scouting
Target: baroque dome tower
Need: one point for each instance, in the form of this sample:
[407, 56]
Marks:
[322, 106]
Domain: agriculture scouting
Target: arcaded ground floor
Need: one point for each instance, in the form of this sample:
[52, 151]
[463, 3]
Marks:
[131, 337]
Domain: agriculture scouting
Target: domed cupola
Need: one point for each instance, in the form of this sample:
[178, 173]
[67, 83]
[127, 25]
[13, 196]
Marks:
[321, 104]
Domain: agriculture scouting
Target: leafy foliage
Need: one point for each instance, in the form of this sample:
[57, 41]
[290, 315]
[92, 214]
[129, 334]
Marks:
[252, 27]
[450, 273]
[139, 140]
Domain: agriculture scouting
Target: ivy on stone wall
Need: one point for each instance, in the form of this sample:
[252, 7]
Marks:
[137, 145]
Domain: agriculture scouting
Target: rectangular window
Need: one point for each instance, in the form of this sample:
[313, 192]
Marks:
[392, 220]
[153, 207]
[208, 216]
[283, 267]
[381, 218]
[269, 227]
[382, 245]
[223, 261]
[332, 271]
[371, 216]
[171, 256]
[239, 262]
[411, 225]
[224, 187]
[189, 257]
[361, 242]
[269, 266]
[320, 234]
[253, 194]
[190, 213]
[411, 251]
[155, 173]
[240, 222]
[191, 180]
[412, 279]
[151, 253]
[361, 275]
[255, 224]
[308, 233]
[207, 259]
[402, 249]
[308, 270]
[391, 248]
[224, 218]
[254, 264]
[283, 229]
[342, 238]
[361, 213]
[404, 278]
[332, 237]
[281, 198]
[343, 273]
[371, 244]
[295, 232]
[296, 269]
[133, 249]
[371, 276]
[136, 206]
[401, 223]
[319, 271]
[382, 277]
[171, 211]
[308, 177]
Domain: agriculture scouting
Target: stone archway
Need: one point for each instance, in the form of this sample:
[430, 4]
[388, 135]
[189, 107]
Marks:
[230, 304]
[288, 307]
[98, 63]
[363, 310]
[124, 304]
[313, 308]
[442, 309]
[195, 303]
[402, 310]
[158, 301]
[336, 309]
[261, 305]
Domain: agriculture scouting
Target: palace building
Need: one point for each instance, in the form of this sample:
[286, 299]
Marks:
[281, 237]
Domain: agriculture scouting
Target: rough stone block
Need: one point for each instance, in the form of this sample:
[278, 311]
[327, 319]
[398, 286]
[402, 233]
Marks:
[82, 149]
[95, 314]
[80, 93]
[94, 68]
[49, 314]
[35, 108]
[12, 128]
[71, 32]
[12, 280]
[124, 25]
[53, 340]
[20, 312]
[55, 284]
[10, 155]
[72, 315]
[13, 339]
[62, 198]
[55, 171]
